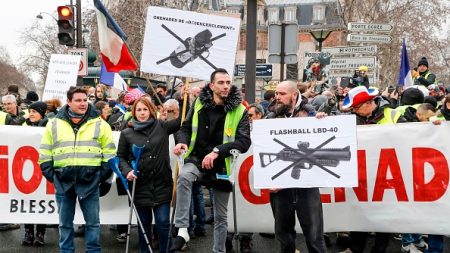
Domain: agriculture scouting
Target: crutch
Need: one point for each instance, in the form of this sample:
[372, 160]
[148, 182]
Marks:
[235, 153]
[114, 165]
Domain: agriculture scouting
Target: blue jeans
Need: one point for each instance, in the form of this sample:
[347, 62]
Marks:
[162, 222]
[197, 208]
[411, 238]
[435, 244]
[89, 205]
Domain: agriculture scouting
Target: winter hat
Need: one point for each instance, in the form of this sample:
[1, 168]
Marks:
[423, 61]
[359, 95]
[40, 107]
[412, 96]
[431, 100]
[32, 96]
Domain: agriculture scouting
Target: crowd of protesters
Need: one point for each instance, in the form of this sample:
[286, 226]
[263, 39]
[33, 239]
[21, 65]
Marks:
[218, 120]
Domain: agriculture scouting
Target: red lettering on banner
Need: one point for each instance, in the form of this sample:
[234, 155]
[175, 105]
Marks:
[244, 184]
[4, 184]
[361, 190]
[388, 160]
[23, 154]
[437, 186]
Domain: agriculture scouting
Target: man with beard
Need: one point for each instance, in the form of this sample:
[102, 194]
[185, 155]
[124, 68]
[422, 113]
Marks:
[216, 123]
[305, 201]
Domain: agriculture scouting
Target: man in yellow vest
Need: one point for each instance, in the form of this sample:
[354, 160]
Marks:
[370, 108]
[74, 152]
[423, 76]
[216, 123]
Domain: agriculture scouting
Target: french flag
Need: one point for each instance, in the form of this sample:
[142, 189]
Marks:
[112, 79]
[111, 38]
[405, 77]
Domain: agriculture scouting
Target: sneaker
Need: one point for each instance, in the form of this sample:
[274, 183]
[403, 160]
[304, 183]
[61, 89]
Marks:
[121, 238]
[5, 227]
[410, 248]
[398, 237]
[28, 239]
[79, 232]
[178, 243]
[39, 239]
[422, 245]
[210, 220]
[246, 245]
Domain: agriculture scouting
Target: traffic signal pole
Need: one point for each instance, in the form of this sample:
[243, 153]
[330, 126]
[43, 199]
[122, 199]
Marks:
[79, 30]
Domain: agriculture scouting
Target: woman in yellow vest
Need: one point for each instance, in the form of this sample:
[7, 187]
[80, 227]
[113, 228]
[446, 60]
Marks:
[36, 118]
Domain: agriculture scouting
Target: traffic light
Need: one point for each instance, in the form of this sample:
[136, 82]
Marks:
[66, 30]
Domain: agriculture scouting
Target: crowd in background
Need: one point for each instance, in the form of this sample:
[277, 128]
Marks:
[160, 107]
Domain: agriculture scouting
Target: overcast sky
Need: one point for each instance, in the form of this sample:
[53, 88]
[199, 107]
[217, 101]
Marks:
[17, 15]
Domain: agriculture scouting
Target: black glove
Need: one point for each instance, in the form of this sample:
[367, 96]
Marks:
[48, 171]
[104, 188]
[105, 172]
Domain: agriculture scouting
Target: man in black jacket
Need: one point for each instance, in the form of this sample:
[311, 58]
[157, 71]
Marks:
[305, 201]
[216, 123]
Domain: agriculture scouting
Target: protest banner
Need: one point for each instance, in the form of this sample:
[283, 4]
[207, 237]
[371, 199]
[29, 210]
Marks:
[403, 177]
[62, 73]
[189, 44]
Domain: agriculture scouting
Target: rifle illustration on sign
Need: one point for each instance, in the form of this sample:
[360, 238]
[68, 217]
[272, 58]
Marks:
[305, 158]
[191, 48]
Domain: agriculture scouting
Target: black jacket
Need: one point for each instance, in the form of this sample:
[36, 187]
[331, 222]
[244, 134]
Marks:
[154, 183]
[421, 80]
[211, 120]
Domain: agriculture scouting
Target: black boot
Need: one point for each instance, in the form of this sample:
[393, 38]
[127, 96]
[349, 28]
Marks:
[178, 243]
[28, 239]
[246, 245]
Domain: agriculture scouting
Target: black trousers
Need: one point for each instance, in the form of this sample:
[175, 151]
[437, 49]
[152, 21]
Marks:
[307, 204]
[40, 228]
[358, 242]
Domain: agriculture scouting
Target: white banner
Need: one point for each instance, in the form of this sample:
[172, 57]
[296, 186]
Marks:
[190, 44]
[62, 73]
[403, 175]
[305, 152]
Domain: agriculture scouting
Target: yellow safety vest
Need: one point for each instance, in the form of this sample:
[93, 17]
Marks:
[402, 109]
[391, 116]
[3, 118]
[232, 120]
[92, 145]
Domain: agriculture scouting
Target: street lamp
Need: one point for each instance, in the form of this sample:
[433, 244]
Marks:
[320, 35]
[39, 16]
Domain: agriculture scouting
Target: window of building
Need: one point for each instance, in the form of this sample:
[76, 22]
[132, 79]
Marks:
[290, 14]
[318, 14]
[273, 14]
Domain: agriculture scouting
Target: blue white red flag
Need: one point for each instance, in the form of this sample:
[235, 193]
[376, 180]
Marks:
[111, 38]
[112, 79]
[405, 77]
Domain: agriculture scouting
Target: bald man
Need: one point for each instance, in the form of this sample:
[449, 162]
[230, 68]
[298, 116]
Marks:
[303, 201]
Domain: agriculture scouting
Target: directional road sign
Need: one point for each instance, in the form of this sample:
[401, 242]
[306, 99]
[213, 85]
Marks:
[377, 38]
[368, 27]
[262, 70]
[351, 50]
[352, 63]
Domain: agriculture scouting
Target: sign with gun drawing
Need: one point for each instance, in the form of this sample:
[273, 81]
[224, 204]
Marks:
[189, 44]
[305, 152]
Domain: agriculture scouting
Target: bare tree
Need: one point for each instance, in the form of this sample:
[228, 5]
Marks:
[11, 75]
[40, 42]
[417, 21]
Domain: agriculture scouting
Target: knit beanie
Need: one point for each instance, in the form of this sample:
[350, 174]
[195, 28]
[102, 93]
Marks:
[40, 107]
[423, 61]
[32, 96]
[412, 96]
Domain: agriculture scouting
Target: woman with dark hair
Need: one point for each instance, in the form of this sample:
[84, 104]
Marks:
[154, 182]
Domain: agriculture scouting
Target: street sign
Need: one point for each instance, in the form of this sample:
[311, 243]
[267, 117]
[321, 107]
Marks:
[83, 52]
[262, 70]
[351, 50]
[377, 38]
[368, 27]
[352, 63]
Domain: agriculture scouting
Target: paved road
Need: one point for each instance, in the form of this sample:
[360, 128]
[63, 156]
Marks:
[10, 242]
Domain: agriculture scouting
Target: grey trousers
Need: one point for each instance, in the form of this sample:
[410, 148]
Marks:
[189, 173]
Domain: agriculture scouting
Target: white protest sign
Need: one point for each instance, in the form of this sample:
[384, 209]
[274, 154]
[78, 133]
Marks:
[189, 44]
[62, 73]
[305, 152]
